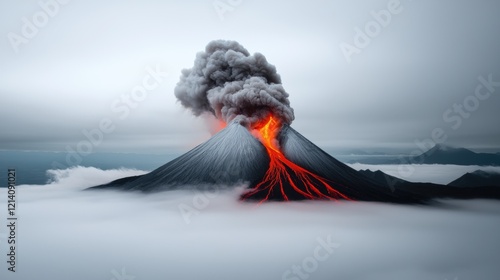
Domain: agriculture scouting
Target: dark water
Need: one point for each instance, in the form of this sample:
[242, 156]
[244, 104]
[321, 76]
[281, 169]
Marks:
[31, 167]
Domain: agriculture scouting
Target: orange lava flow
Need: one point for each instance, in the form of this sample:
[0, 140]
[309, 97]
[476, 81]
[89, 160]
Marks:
[293, 181]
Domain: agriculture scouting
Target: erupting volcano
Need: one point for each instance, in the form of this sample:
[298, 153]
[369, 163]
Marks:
[258, 147]
[283, 178]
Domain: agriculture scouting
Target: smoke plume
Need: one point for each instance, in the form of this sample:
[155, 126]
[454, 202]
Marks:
[229, 82]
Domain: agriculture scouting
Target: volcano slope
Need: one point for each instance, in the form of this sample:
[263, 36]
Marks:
[232, 156]
[362, 185]
[297, 170]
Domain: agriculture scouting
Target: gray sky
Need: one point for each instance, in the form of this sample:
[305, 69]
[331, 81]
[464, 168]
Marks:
[73, 71]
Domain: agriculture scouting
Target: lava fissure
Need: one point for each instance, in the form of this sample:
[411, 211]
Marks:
[293, 181]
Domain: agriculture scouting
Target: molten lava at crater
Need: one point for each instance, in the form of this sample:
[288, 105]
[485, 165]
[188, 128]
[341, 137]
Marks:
[285, 180]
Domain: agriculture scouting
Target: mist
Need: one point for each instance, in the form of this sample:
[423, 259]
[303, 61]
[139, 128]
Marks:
[67, 233]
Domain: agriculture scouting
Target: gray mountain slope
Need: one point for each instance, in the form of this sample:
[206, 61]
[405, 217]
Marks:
[476, 179]
[230, 157]
[350, 182]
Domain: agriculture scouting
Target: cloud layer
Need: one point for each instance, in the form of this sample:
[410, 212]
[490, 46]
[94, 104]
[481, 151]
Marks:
[65, 233]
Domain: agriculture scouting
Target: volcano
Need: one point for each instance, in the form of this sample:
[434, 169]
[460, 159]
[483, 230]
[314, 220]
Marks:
[281, 165]
[277, 163]
[235, 156]
[258, 147]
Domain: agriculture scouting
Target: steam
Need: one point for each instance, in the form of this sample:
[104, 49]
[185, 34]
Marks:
[229, 82]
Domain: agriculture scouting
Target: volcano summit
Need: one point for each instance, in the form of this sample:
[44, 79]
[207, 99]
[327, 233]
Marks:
[258, 147]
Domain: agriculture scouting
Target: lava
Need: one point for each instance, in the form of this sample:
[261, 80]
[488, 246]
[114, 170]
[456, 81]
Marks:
[289, 180]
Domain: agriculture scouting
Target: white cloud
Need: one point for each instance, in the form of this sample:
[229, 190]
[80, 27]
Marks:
[65, 233]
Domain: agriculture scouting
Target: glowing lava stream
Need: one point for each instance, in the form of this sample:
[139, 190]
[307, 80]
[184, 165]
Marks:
[283, 173]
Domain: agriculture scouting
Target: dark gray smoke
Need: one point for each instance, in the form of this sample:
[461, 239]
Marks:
[229, 82]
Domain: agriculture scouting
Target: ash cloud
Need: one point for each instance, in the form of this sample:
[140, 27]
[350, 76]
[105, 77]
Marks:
[228, 82]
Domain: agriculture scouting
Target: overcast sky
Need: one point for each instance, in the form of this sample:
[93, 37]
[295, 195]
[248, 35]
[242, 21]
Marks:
[70, 73]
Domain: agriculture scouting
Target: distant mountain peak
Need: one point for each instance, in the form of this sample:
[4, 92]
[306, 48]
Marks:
[447, 154]
[483, 173]
[443, 147]
[446, 148]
